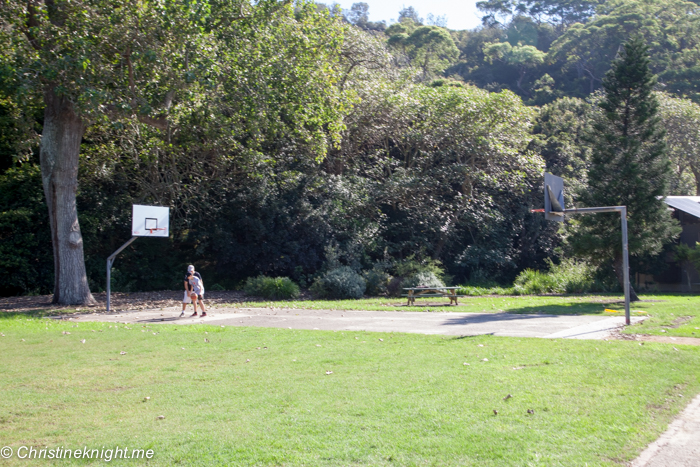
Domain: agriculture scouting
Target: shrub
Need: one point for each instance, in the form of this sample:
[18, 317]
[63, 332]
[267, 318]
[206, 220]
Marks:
[570, 276]
[271, 287]
[411, 272]
[531, 282]
[575, 276]
[342, 282]
[475, 291]
[377, 282]
[411, 266]
[393, 289]
[423, 279]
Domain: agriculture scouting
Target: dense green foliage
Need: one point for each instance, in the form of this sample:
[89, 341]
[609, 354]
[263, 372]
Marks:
[25, 246]
[339, 283]
[274, 288]
[296, 139]
[569, 276]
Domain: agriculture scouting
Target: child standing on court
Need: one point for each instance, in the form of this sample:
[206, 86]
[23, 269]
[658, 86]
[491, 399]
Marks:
[191, 295]
[196, 289]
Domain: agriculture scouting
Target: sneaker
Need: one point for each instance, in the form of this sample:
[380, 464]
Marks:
[193, 314]
[204, 313]
[182, 314]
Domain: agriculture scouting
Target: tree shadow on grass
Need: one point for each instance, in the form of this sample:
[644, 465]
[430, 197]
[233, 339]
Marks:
[577, 308]
[493, 317]
[543, 311]
[37, 314]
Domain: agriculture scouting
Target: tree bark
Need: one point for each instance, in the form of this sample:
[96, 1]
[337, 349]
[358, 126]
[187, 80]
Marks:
[619, 272]
[696, 174]
[60, 146]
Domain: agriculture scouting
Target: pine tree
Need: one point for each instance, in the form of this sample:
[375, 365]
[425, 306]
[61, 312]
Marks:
[629, 166]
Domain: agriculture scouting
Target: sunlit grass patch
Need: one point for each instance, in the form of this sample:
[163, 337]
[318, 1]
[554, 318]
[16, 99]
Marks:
[257, 396]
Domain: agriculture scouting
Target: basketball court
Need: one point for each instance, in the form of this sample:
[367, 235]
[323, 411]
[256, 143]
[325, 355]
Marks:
[445, 323]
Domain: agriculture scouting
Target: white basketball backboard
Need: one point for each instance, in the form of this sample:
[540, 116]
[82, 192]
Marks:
[150, 221]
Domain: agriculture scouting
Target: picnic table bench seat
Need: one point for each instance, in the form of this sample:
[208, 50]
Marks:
[449, 292]
[434, 295]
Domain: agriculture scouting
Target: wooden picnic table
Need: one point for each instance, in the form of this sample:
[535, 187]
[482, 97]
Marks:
[413, 292]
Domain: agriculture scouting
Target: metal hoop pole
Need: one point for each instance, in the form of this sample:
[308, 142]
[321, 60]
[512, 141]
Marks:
[110, 262]
[625, 263]
[625, 249]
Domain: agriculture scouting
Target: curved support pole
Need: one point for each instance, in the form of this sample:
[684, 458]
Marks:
[110, 262]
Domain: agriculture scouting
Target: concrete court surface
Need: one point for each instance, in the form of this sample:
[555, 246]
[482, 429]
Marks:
[445, 323]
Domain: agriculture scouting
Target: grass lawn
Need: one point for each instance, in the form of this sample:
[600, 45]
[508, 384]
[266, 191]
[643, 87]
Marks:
[670, 315]
[259, 396]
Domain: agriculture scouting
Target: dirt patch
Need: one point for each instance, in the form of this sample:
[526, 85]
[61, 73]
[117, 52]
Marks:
[122, 301]
[661, 339]
[680, 321]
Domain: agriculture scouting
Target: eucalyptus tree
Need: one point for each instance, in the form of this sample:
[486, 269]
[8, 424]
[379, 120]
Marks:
[168, 66]
[431, 48]
[90, 60]
[561, 139]
[523, 57]
[681, 119]
[558, 12]
[670, 27]
[447, 167]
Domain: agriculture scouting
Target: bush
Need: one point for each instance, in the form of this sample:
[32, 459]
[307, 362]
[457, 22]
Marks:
[377, 282]
[569, 276]
[271, 287]
[339, 283]
[393, 289]
[26, 259]
[423, 279]
[411, 272]
[475, 291]
[531, 282]
[411, 266]
[575, 276]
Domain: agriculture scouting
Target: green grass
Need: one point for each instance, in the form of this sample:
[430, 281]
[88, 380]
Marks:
[392, 399]
[670, 315]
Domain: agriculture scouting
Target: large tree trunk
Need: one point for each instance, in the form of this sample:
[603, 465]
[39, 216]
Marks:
[60, 147]
[619, 272]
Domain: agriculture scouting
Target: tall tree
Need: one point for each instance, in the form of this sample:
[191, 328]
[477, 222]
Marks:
[410, 14]
[145, 61]
[558, 12]
[681, 119]
[671, 28]
[89, 59]
[523, 57]
[629, 165]
[431, 48]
